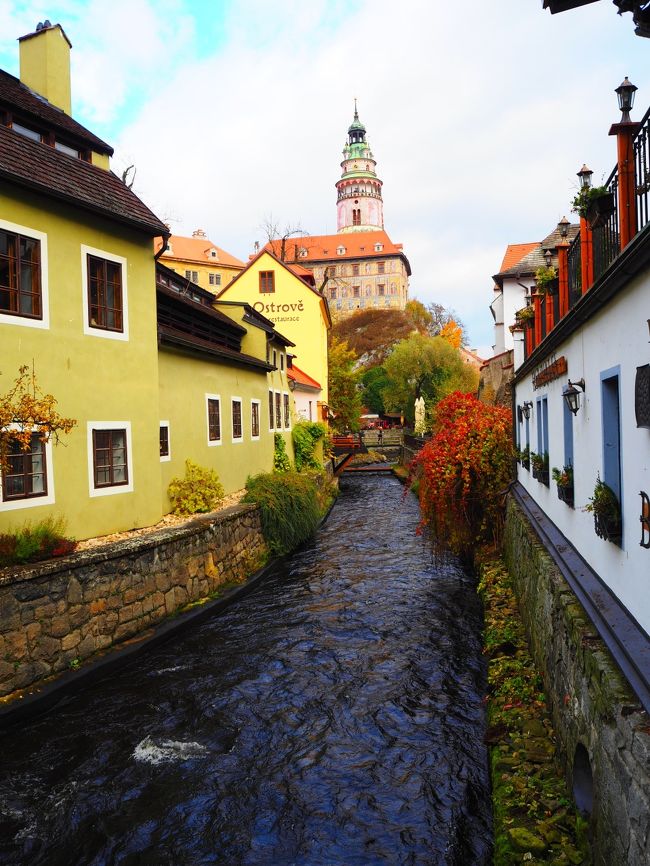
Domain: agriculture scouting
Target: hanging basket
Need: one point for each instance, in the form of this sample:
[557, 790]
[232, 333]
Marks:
[600, 209]
[609, 527]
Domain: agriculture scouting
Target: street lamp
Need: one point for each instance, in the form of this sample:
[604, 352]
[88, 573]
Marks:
[563, 227]
[585, 174]
[625, 93]
[572, 395]
[548, 258]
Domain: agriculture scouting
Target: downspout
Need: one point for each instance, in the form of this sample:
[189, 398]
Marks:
[163, 248]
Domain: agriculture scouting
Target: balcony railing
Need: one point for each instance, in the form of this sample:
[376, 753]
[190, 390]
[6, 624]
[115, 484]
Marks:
[575, 271]
[605, 238]
[642, 172]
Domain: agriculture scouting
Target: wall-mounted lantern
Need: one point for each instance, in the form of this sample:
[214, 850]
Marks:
[572, 395]
[548, 258]
[525, 409]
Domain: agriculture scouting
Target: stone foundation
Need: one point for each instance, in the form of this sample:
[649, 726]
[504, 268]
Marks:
[604, 733]
[56, 614]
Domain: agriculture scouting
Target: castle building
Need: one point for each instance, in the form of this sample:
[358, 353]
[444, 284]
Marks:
[359, 267]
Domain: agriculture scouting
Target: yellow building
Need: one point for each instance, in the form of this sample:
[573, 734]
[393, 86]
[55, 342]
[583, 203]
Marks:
[135, 353]
[286, 295]
[199, 260]
[77, 300]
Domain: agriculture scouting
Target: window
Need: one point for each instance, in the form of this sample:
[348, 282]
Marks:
[287, 417]
[193, 276]
[267, 282]
[236, 420]
[355, 291]
[278, 411]
[20, 275]
[378, 247]
[165, 452]
[65, 148]
[340, 251]
[26, 475]
[271, 411]
[282, 360]
[26, 131]
[255, 419]
[356, 216]
[333, 293]
[381, 267]
[215, 279]
[103, 277]
[380, 288]
[110, 467]
[611, 426]
[355, 270]
[213, 407]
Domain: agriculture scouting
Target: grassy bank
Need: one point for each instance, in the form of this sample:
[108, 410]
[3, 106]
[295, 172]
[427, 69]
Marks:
[535, 820]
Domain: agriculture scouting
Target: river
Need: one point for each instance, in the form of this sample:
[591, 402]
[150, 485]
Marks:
[333, 716]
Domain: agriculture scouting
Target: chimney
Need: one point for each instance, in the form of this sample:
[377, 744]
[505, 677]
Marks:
[45, 64]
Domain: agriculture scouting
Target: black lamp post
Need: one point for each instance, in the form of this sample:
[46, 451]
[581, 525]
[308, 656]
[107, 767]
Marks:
[563, 227]
[585, 174]
[625, 93]
[572, 395]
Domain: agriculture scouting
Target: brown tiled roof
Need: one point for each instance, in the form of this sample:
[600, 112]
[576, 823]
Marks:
[45, 170]
[17, 97]
[527, 264]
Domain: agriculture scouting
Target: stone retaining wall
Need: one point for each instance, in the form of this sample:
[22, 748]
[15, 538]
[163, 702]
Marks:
[56, 614]
[604, 734]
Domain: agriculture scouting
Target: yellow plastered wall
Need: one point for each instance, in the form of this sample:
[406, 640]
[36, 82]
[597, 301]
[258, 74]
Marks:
[93, 378]
[185, 384]
[296, 311]
[203, 271]
[45, 66]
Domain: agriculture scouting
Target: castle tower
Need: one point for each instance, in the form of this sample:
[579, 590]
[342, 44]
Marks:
[360, 207]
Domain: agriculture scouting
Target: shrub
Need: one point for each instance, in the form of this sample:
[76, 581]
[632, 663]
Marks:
[464, 472]
[199, 491]
[33, 543]
[305, 435]
[289, 508]
[281, 462]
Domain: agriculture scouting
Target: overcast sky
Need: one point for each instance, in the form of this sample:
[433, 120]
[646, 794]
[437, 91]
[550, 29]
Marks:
[479, 115]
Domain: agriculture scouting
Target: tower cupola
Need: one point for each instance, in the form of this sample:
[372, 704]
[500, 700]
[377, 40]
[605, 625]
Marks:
[360, 206]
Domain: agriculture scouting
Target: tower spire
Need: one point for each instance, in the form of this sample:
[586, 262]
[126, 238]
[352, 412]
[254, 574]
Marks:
[359, 206]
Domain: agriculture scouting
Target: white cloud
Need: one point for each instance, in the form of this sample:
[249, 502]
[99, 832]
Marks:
[479, 116]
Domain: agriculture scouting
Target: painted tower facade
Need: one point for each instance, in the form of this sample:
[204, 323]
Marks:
[360, 207]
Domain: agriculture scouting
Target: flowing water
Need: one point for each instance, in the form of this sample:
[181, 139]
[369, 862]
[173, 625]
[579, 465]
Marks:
[333, 716]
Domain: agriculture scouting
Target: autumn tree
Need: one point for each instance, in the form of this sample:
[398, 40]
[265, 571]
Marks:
[441, 317]
[423, 366]
[24, 411]
[343, 382]
[420, 316]
[371, 334]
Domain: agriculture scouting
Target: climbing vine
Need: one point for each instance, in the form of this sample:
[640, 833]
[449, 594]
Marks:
[305, 435]
[463, 473]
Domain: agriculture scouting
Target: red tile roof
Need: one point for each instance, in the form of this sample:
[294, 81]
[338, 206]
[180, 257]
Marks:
[515, 253]
[301, 378]
[19, 99]
[43, 169]
[197, 249]
[323, 248]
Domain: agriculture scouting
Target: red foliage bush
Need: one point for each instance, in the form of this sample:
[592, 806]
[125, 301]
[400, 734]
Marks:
[464, 472]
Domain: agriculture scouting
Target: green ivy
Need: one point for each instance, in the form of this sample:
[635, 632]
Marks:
[305, 436]
[281, 462]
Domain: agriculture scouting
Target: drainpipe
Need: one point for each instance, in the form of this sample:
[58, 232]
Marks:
[165, 246]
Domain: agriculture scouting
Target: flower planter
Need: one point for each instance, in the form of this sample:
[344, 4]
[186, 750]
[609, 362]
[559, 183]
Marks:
[600, 209]
[608, 527]
[541, 475]
[526, 464]
[565, 493]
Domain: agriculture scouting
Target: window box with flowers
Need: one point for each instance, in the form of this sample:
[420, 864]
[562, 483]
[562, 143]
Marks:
[525, 315]
[522, 456]
[595, 203]
[564, 480]
[539, 462]
[605, 507]
[546, 281]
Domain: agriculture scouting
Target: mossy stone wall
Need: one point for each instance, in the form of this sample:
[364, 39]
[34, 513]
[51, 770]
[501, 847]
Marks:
[591, 702]
[56, 614]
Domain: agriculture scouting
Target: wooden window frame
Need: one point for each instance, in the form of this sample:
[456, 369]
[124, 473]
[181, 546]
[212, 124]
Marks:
[103, 441]
[237, 420]
[165, 442]
[213, 418]
[267, 282]
[255, 419]
[278, 410]
[22, 462]
[102, 314]
[14, 289]
[287, 410]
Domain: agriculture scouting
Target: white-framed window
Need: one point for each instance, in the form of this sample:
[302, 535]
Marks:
[165, 442]
[255, 419]
[287, 412]
[237, 420]
[110, 460]
[214, 279]
[193, 276]
[29, 478]
[104, 293]
[213, 418]
[24, 293]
